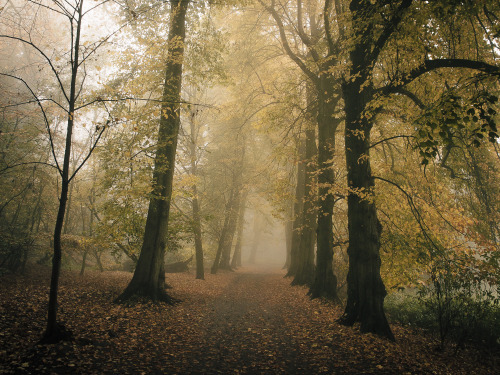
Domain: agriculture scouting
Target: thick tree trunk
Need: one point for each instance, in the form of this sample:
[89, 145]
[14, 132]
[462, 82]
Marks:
[325, 281]
[298, 212]
[365, 288]
[305, 270]
[149, 276]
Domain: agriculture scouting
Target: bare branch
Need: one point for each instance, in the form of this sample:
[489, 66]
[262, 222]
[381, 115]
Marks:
[56, 74]
[46, 120]
[286, 46]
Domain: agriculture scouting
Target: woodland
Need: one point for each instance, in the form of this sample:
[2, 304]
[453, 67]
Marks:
[249, 186]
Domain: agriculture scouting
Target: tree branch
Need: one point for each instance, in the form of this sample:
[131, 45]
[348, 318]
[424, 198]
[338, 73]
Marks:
[389, 28]
[284, 42]
[430, 65]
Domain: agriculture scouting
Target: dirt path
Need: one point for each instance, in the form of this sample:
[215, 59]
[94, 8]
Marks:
[247, 330]
[243, 322]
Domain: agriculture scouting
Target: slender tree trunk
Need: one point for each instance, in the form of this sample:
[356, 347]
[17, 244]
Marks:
[198, 244]
[236, 260]
[148, 280]
[85, 251]
[223, 236]
[298, 212]
[97, 257]
[84, 262]
[325, 281]
[232, 221]
[305, 270]
[288, 238]
[235, 208]
[68, 210]
[56, 331]
[256, 237]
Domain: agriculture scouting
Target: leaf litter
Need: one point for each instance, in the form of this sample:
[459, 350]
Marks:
[242, 322]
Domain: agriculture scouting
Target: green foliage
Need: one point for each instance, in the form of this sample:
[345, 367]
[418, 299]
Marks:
[405, 307]
[452, 114]
[458, 296]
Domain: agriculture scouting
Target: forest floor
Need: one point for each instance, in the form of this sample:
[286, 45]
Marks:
[247, 321]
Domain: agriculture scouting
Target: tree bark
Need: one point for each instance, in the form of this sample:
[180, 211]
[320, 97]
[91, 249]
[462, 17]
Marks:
[305, 270]
[198, 243]
[223, 239]
[288, 237]
[55, 331]
[365, 288]
[325, 281]
[227, 244]
[256, 237]
[298, 211]
[236, 259]
[148, 280]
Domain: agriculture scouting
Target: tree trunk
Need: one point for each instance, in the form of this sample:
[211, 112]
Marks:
[305, 270]
[84, 262]
[66, 226]
[298, 211]
[365, 288]
[231, 229]
[223, 235]
[198, 244]
[325, 281]
[256, 237]
[288, 238]
[55, 331]
[85, 251]
[149, 276]
[236, 260]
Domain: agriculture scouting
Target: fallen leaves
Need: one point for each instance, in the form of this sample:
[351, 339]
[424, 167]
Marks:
[242, 322]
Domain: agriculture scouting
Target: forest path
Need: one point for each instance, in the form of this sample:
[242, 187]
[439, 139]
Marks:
[252, 327]
[243, 322]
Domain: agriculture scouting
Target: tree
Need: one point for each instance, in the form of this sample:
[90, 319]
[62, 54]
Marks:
[305, 270]
[67, 100]
[148, 280]
[327, 90]
[366, 290]
[194, 134]
[223, 255]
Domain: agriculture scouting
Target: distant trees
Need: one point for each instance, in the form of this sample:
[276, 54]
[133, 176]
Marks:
[317, 65]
